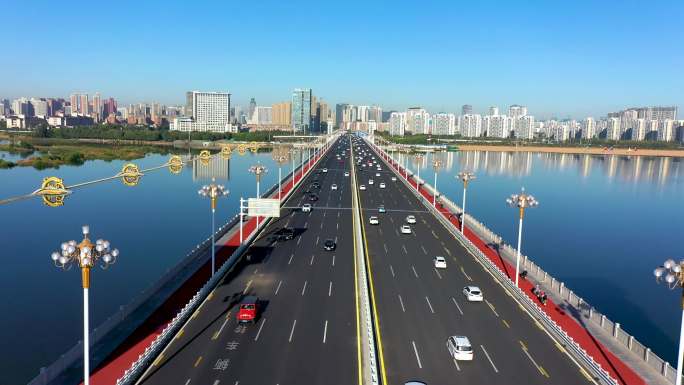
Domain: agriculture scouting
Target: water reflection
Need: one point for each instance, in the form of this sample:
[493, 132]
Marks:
[217, 168]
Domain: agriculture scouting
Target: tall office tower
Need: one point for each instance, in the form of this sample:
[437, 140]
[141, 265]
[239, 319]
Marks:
[515, 111]
[470, 125]
[322, 116]
[588, 128]
[252, 108]
[40, 108]
[493, 111]
[282, 114]
[443, 124]
[301, 110]
[340, 109]
[613, 130]
[397, 123]
[375, 114]
[417, 120]
[210, 111]
[466, 109]
[524, 128]
[83, 105]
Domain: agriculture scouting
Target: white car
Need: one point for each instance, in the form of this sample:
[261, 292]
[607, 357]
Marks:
[374, 220]
[459, 348]
[370, 181]
[362, 187]
[394, 179]
[333, 187]
[473, 294]
[377, 174]
[346, 173]
[325, 170]
[382, 185]
[440, 262]
[405, 229]
[411, 219]
[306, 208]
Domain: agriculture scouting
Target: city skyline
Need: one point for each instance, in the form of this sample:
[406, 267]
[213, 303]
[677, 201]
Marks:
[565, 60]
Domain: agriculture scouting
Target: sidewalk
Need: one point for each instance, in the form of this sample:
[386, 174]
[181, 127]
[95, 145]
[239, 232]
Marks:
[601, 354]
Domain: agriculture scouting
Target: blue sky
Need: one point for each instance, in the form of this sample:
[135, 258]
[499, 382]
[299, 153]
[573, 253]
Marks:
[569, 58]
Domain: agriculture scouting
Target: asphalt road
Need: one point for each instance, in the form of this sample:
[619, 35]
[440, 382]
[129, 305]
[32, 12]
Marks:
[306, 332]
[419, 307]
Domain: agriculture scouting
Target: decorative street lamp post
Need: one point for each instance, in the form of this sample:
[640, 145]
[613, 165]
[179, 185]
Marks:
[213, 191]
[293, 155]
[418, 160]
[673, 274]
[436, 165]
[521, 201]
[86, 255]
[280, 156]
[258, 170]
[465, 176]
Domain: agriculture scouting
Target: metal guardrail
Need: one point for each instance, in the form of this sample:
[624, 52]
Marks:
[151, 352]
[533, 309]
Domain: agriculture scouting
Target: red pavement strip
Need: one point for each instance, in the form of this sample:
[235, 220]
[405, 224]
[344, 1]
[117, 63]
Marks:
[608, 361]
[128, 352]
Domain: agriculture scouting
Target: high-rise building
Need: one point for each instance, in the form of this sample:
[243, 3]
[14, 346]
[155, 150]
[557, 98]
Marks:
[417, 120]
[250, 111]
[613, 130]
[397, 123]
[375, 114]
[362, 113]
[443, 124]
[588, 128]
[210, 112]
[466, 109]
[83, 105]
[263, 115]
[282, 114]
[22, 106]
[470, 125]
[188, 104]
[97, 107]
[524, 127]
[666, 130]
[493, 111]
[340, 109]
[515, 111]
[109, 107]
[40, 108]
[496, 126]
[301, 110]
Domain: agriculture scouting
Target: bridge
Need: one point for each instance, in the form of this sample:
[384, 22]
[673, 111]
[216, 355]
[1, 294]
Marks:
[374, 310]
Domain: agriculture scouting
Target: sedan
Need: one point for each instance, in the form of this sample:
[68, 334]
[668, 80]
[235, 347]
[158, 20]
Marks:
[473, 294]
[411, 219]
[306, 208]
[325, 170]
[440, 262]
[374, 220]
[362, 187]
[394, 179]
[382, 185]
[377, 174]
[329, 245]
[370, 181]
[333, 187]
[346, 173]
[381, 209]
[405, 229]
[284, 234]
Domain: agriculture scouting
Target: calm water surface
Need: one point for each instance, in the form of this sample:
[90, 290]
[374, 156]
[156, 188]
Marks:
[603, 224]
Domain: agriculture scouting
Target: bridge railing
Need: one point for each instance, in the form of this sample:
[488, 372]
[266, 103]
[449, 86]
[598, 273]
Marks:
[172, 277]
[532, 307]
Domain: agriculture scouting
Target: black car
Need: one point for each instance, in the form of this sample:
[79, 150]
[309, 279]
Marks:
[329, 245]
[284, 234]
[315, 185]
[313, 197]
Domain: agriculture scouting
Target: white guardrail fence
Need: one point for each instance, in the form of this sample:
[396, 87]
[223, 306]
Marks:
[172, 328]
[586, 361]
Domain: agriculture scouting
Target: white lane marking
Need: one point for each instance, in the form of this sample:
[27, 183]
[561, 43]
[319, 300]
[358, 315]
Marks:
[392, 270]
[306, 224]
[304, 288]
[404, 247]
[457, 307]
[292, 331]
[255, 270]
[338, 225]
[333, 261]
[439, 275]
[247, 287]
[492, 307]
[429, 304]
[218, 333]
[299, 240]
[490, 359]
[187, 382]
[317, 239]
[415, 350]
[385, 246]
[290, 261]
[325, 331]
[402, 303]
[424, 251]
[312, 259]
[324, 214]
[338, 214]
[457, 367]
[216, 382]
[263, 321]
[391, 220]
[278, 288]
[466, 275]
[447, 250]
[414, 271]
[322, 225]
[330, 289]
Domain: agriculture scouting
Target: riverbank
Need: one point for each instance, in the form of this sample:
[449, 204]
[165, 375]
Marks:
[576, 150]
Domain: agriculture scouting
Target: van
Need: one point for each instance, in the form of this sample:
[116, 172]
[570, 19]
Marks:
[459, 348]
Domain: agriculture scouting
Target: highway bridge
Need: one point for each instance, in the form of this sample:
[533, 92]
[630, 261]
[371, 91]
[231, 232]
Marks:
[309, 325]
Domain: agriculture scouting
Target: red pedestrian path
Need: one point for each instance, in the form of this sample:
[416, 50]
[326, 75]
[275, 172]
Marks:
[128, 352]
[608, 361]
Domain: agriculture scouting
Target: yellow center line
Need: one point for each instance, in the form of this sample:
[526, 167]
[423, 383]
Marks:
[180, 333]
[210, 296]
[158, 360]
[356, 282]
[199, 359]
[506, 323]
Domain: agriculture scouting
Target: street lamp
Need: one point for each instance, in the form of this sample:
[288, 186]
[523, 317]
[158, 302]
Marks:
[258, 170]
[213, 191]
[280, 156]
[521, 201]
[293, 155]
[465, 176]
[673, 274]
[436, 165]
[418, 160]
[85, 255]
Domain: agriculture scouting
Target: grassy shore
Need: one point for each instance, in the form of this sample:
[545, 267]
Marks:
[575, 150]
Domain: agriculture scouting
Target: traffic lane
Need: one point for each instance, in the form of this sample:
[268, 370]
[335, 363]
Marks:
[534, 345]
[237, 280]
